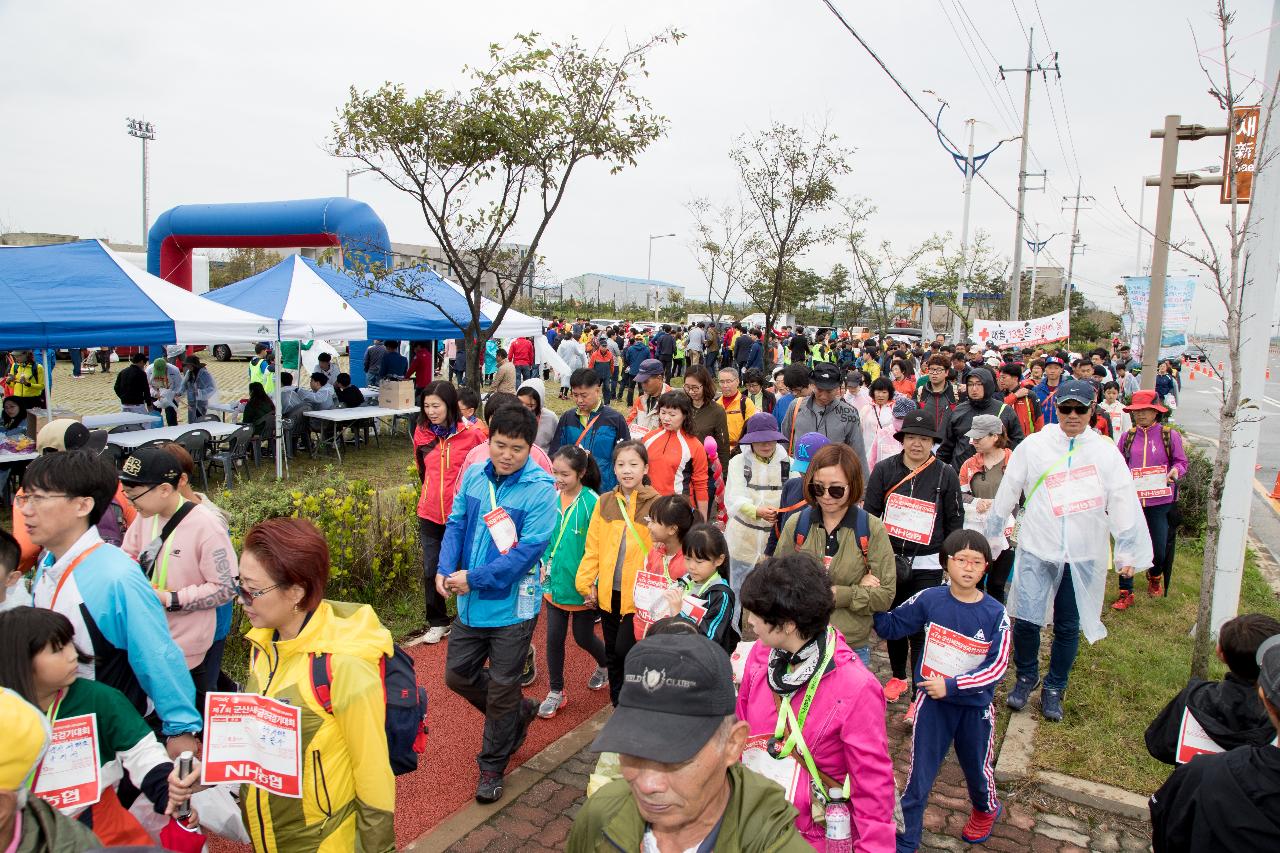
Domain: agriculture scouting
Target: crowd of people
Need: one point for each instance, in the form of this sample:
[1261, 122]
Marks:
[743, 540]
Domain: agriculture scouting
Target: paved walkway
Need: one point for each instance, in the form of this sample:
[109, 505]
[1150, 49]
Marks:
[539, 819]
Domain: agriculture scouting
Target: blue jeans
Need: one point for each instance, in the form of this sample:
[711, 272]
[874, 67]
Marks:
[864, 655]
[1066, 639]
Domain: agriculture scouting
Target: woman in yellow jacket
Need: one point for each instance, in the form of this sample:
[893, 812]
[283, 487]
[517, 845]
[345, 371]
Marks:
[26, 379]
[618, 541]
[348, 789]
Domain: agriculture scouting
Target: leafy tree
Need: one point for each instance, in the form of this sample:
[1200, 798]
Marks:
[979, 267]
[789, 175]
[240, 264]
[496, 159]
[879, 272]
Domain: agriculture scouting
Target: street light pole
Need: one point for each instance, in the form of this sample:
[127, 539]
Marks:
[145, 131]
[657, 299]
[351, 172]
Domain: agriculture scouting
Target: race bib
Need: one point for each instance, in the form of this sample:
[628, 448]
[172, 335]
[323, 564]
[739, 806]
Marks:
[650, 603]
[1151, 482]
[1073, 491]
[738, 660]
[949, 653]
[501, 528]
[784, 772]
[693, 609]
[68, 775]
[909, 518]
[254, 739]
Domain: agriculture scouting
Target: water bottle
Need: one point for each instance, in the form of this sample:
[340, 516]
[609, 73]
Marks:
[527, 596]
[183, 812]
[839, 822]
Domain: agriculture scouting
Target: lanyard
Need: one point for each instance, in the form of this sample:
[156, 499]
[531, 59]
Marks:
[787, 717]
[564, 524]
[1066, 457]
[622, 505]
[159, 578]
[53, 605]
[493, 496]
[52, 716]
[710, 582]
[912, 475]
[586, 429]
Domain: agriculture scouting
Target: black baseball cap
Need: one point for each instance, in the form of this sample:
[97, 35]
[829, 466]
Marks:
[825, 376]
[917, 422]
[677, 691]
[150, 466]
[1078, 390]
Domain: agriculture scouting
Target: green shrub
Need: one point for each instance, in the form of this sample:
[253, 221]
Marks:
[1193, 490]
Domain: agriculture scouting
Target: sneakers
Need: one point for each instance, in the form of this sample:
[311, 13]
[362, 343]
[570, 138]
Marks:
[530, 673]
[489, 788]
[599, 679]
[1153, 585]
[1021, 692]
[435, 634]
[978, 829]
[910, 717]
[1051, 705]
[555, 700]
[893, 689]
[1126, 600]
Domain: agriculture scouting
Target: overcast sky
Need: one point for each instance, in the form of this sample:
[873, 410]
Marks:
[243, 95]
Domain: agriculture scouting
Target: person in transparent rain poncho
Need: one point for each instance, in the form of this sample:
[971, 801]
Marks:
[1079, 501]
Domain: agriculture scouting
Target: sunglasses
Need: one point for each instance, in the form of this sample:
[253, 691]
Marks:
[836, 492]
[248, 596]
[1072, 410]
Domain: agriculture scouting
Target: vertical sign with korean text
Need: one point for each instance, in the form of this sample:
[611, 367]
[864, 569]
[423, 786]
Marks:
[1244, 140]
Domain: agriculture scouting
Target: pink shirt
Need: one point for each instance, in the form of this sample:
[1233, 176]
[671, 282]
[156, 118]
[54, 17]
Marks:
[199, 563]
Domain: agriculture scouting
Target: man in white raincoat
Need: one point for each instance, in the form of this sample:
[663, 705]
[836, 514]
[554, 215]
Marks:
[1079, 497]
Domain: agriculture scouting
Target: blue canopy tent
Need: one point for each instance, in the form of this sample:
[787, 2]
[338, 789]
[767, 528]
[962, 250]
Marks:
[82, 294]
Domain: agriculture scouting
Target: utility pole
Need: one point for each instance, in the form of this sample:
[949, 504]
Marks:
[969, 165]
[1076, 245]
[1261, 257]
[145, 131]
[1015, 295]
[657, 297]
[1170, 179]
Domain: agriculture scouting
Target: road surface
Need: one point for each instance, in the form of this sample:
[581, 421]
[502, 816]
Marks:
[1198, 409]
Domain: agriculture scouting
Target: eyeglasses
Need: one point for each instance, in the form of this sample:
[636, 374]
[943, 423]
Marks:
[133, 496]
[21, 501]
[835, 492]
[249, 596]
[976, 562]
[1073, 410]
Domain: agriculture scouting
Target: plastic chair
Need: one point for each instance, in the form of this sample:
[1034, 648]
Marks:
[197, 443]
[208, 419]
[235, 453]
[124, 428]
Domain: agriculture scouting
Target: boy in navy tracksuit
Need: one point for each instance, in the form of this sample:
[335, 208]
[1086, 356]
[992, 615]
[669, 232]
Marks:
[966, 654]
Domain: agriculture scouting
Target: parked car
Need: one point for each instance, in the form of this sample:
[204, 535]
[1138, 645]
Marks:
[226, 352]
[1197, 353]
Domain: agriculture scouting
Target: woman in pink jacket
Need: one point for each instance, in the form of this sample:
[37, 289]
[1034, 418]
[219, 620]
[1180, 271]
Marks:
[834, 702]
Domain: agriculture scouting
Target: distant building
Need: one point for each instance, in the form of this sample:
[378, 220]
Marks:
[620, 291]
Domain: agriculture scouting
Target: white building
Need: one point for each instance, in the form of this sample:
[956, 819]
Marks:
[620, 291]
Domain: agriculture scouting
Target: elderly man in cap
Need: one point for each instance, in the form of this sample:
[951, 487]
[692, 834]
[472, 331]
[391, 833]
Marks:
[825, 411]
[27, 823]
[682, 787]
[1079, 495]
[1226, 801]
[644, 411]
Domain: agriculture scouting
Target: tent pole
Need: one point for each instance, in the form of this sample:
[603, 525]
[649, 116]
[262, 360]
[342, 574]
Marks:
[279, 431]
[48, 379]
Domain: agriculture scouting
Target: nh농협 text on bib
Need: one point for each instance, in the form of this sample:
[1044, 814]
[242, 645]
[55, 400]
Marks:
[1074, 490]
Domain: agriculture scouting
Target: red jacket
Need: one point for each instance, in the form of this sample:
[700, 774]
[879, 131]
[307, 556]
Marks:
[440, 464]
[677, 463]
[521, 352]
[1030, 416]
[420, 369]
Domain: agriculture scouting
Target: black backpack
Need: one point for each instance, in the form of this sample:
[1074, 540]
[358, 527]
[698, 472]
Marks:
[406, 723]
[861, 528]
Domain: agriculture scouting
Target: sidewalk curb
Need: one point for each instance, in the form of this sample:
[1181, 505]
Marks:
[468, 818]
[1014, 765]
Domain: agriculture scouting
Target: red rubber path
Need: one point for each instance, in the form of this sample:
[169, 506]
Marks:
[447, 774]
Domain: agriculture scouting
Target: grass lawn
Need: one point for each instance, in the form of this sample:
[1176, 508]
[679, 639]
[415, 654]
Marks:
[1121, 683]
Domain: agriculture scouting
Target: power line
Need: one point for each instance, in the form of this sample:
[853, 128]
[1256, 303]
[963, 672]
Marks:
[909, 96]
[988, 86]
[1018, 15]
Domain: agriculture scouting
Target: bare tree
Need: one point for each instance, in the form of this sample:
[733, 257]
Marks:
[1229, 278]
[980, 268]
[789, 174]
[725, 245]
[495, 160]
[878, 271]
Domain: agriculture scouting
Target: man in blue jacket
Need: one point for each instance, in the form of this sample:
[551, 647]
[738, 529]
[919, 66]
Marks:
[593, 426]
[502, 519]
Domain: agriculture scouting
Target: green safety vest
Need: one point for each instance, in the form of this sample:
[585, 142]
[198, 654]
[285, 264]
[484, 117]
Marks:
[258, 372]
